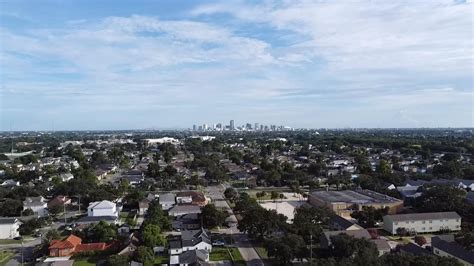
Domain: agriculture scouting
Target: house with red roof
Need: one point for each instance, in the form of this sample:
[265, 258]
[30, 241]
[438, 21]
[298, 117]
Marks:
[71, 245]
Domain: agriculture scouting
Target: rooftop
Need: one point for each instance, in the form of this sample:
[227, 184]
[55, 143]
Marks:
[424, 216]
[453, 249]
[351, 196]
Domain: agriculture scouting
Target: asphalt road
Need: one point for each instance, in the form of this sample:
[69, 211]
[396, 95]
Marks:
[241, 240]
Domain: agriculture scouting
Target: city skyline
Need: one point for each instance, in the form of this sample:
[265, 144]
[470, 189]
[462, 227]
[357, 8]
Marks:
[118, 65]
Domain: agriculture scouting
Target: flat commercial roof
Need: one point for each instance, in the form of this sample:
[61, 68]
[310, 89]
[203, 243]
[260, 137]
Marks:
[351, 196]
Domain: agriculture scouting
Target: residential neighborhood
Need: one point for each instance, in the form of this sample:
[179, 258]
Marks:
[172, 198]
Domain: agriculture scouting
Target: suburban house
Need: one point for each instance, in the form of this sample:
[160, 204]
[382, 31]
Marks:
[71, 245]
[179, 210]
[9, 228]
[191, 197]
[422, 222]
[59, 201]
[341, 224]
[382, 246]
[102, 208]
[143, 206]
[189, 248]
[66, 177]
[167, 201]
[325, 239]
[186, 222]
[100, 211]
[37, 204]
[442, 247]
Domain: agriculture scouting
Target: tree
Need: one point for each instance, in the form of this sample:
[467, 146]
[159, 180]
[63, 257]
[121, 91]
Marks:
[441, 199]
[362, 251]
[401, 231]
[153, 170]
[274, 195]
[102, 232]
[230, 193]
[11, 207]
[27, 212]
[212, 217]
[55, 210]
[369, 216]
[144, 255]
[311, 221]
[383, 168]
[420, 240]
[152, 237]
[156, 216]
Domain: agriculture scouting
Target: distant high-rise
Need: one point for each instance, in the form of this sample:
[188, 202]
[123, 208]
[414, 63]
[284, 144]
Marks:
[232, 126]
[194, 127]
[256, 127]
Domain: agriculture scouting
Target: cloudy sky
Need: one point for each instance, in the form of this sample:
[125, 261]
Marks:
[161, 64]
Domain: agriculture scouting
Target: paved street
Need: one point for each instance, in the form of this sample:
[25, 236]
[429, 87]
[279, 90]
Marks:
[241, 241]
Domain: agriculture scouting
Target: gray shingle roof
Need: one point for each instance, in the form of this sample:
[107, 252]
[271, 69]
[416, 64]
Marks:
[7, 220]
[453, 249]
[424, 216]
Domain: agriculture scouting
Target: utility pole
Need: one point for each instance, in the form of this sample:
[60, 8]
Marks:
[311, 248]
[65, 219]
[22, 251]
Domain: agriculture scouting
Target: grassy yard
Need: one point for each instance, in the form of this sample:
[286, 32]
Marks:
[219, 254]
[83, 263]
[5, 256]
[262, 252]
[161, 260]
[9, 241]
[238, 260]
[88, 261]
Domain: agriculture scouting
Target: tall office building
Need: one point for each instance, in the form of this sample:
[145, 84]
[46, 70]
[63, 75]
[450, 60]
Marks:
[256, 127]
[232, 126]
[194, 127]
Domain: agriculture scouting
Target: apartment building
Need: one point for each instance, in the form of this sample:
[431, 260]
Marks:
[422, 222]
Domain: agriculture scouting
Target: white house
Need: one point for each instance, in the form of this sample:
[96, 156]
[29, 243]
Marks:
[66, 177]
[102, 208]
[37, 204]
[190, 240]
[9, 228]
[422, 222]
[179, 210]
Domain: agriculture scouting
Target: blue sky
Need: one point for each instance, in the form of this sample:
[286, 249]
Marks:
[161, 64]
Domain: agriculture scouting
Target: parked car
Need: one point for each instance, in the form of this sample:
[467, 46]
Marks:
[218, 243]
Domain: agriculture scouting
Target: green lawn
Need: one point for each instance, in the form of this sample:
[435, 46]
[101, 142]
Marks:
[237, 256]
[10, 241]
[161, 260]
[262, 252]
[88, 261]
[219, 254]
[5, 256]
[83, 263]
